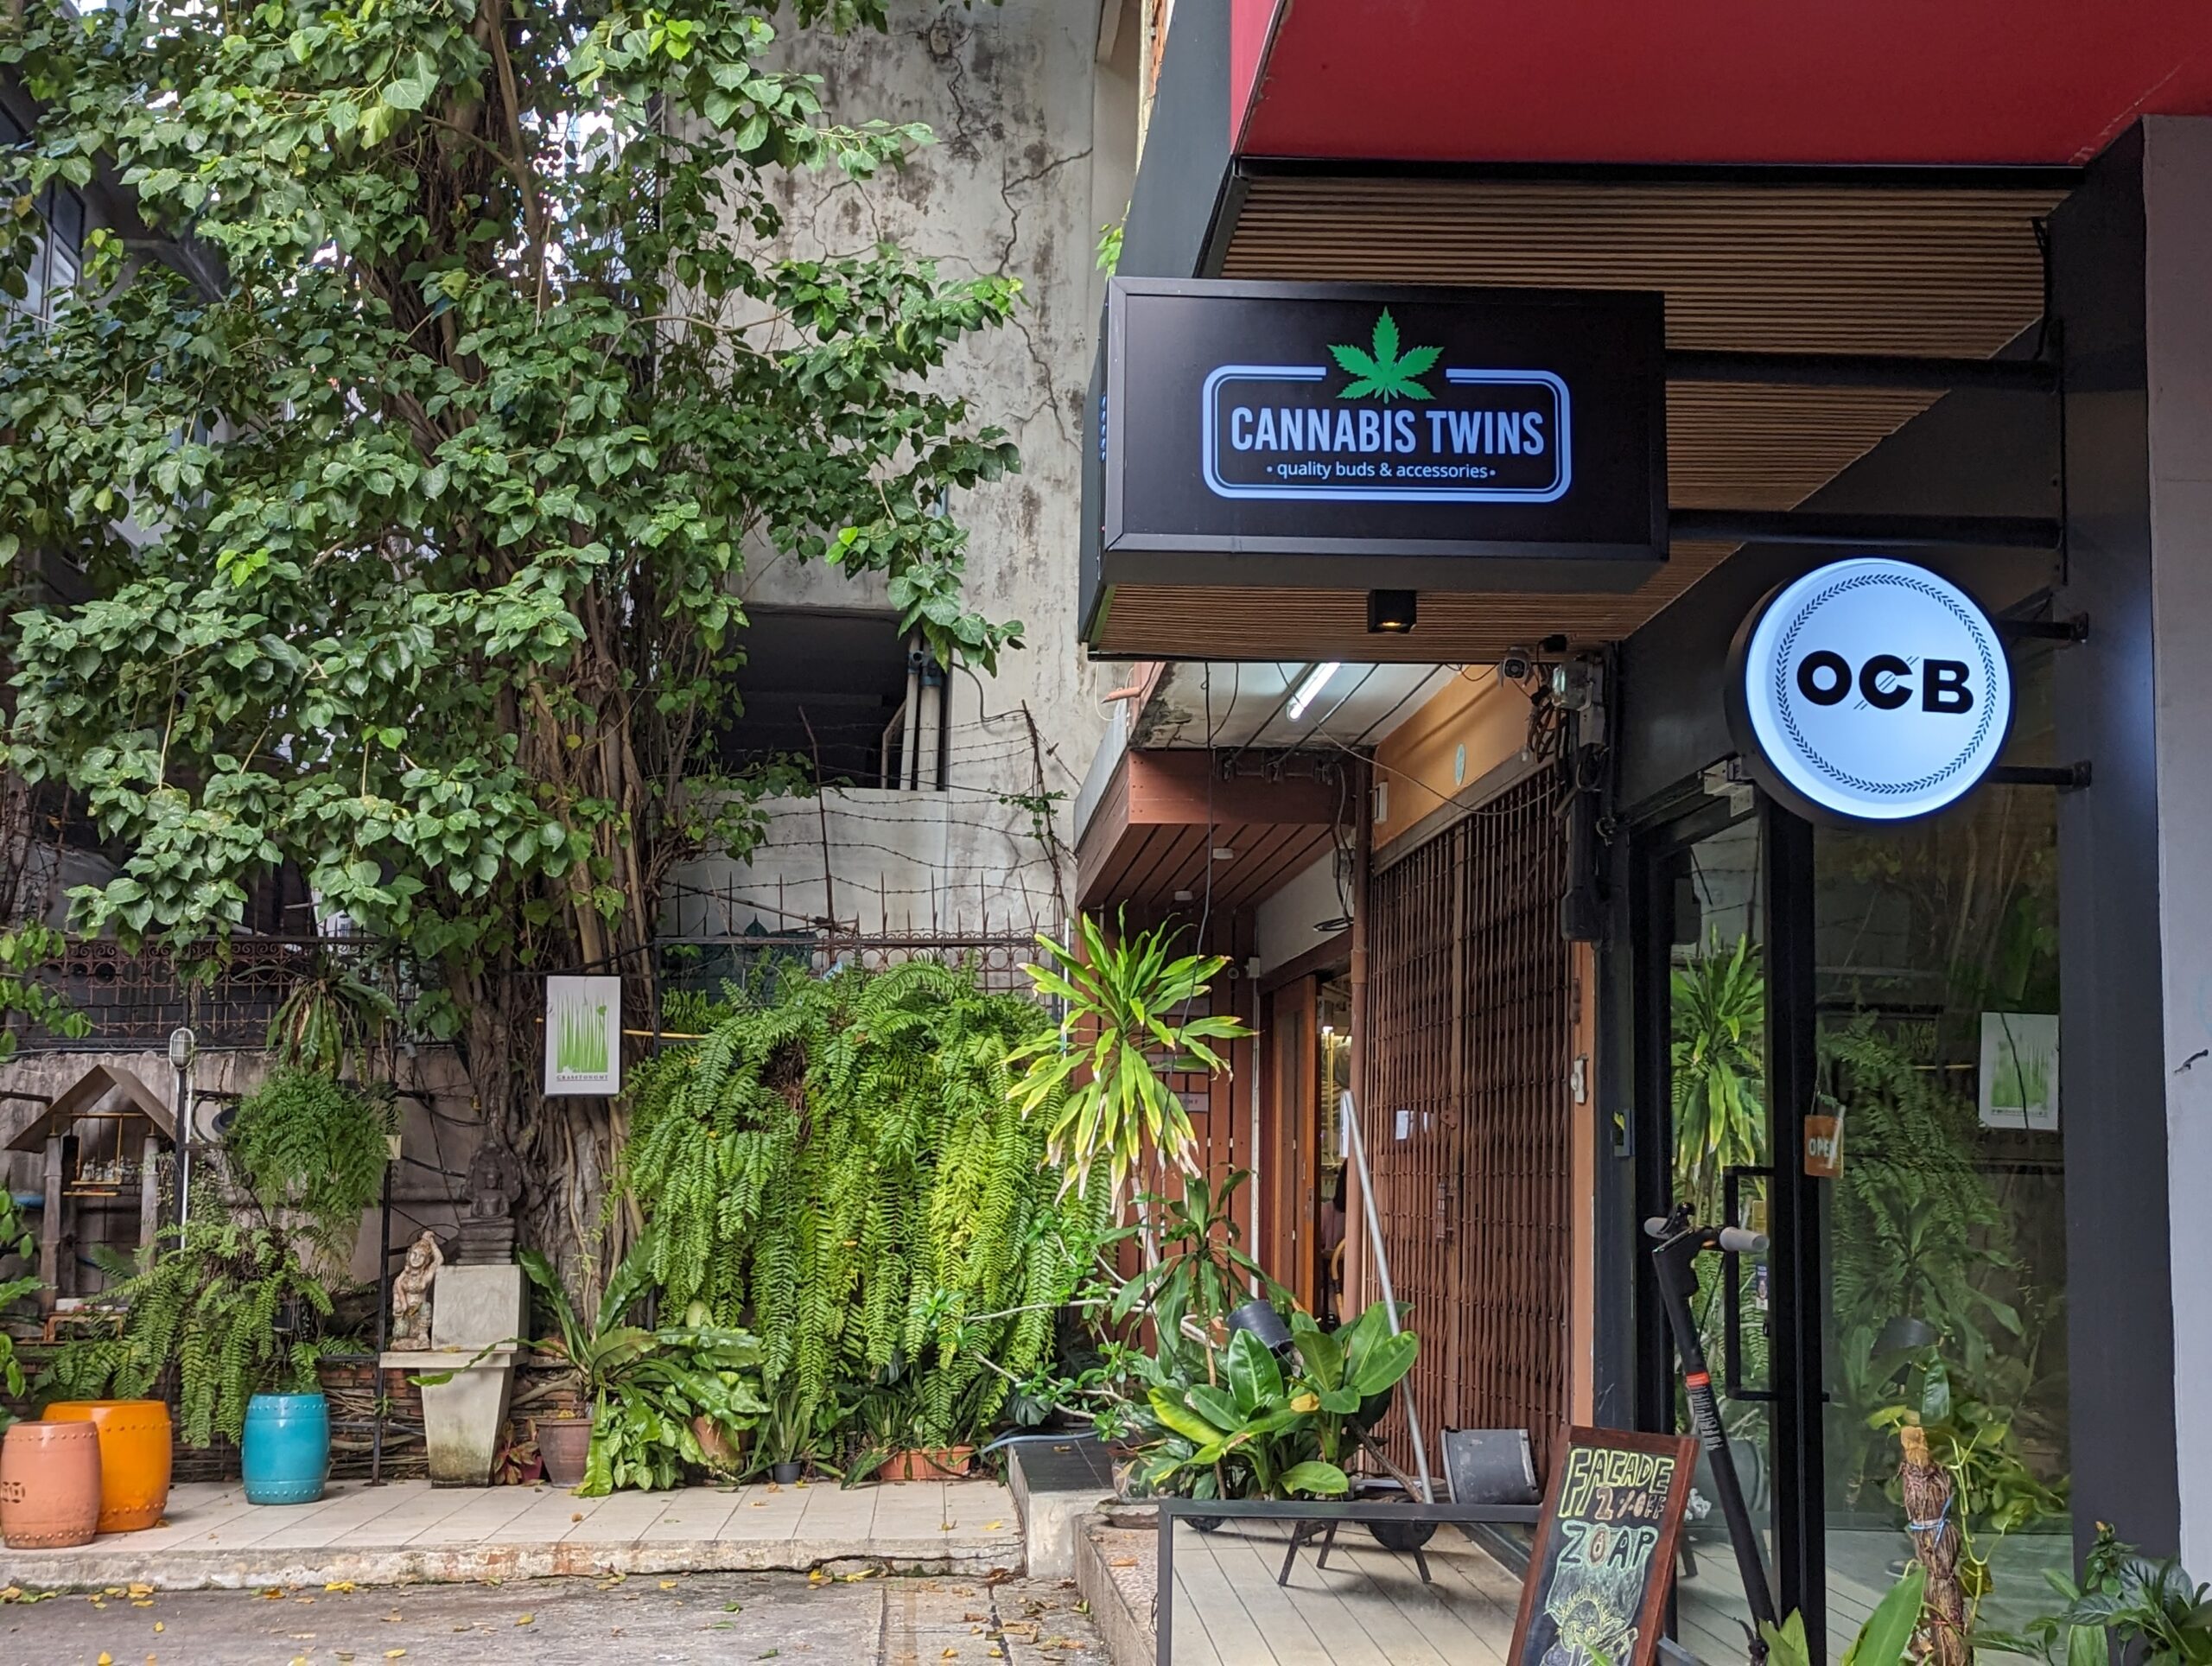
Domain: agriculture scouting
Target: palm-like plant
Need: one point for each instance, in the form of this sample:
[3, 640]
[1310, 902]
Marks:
[1130, 998]
[1718, 1055]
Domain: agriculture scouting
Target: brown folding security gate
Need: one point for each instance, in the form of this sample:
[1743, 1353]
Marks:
[1470, 1018]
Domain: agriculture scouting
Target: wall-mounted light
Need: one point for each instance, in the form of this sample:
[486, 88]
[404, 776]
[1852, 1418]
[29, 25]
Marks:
[1316, 680]
[1391, 613]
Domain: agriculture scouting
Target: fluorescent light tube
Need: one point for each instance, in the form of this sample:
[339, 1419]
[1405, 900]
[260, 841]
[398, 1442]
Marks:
[1316, 680]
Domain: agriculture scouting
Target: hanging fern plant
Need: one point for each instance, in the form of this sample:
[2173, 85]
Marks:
[312, 1150]
[840, 1167]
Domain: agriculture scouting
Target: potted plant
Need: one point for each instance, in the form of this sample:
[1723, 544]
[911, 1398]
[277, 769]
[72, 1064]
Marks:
[648, 1388]
[783, 1441]
[206, 1299]
[1246, 1427]
[2125, 1599]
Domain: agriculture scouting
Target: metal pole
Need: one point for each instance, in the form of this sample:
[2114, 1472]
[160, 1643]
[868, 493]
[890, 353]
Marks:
[1358, 1143]
[383, 1325]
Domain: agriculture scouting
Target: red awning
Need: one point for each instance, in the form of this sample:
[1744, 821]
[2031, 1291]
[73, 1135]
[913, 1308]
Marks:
[1873, 82]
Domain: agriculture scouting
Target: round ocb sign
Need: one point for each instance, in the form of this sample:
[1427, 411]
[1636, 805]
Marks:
[1869, 691]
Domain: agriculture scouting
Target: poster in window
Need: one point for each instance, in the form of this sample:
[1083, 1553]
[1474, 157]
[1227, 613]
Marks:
[2019, 1071]
[583, 1036]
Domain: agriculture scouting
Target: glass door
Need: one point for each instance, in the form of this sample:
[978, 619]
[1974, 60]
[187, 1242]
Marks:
[1706, 1051]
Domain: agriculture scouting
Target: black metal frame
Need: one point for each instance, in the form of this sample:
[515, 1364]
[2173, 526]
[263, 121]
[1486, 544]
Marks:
[1794, 1392]
[1280, 1510]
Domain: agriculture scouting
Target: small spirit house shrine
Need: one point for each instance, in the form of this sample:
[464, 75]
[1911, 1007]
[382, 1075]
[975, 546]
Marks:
[109, 1142]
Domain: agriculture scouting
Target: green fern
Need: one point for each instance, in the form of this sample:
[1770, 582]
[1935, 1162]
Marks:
[205, 1301]
[840, 1165]
[306, 1144]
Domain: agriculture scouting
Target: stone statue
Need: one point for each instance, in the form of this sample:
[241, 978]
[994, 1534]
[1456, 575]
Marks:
[411, 1294]
[487, 1235]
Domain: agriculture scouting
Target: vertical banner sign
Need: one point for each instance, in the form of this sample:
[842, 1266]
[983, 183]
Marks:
[583, 1036]
[1595, 1593]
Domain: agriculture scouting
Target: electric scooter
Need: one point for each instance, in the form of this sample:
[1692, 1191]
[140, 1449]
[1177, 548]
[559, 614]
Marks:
[1680, 1241]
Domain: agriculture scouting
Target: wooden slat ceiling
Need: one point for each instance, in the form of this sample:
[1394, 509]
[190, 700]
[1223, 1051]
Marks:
[1888, 268]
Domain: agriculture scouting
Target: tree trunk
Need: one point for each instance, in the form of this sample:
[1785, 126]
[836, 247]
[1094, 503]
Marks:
[1928, 1509]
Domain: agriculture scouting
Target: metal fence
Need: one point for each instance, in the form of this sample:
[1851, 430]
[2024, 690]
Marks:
[226, 992]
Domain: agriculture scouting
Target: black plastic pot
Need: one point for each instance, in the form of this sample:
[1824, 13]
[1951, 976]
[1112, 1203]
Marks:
[1401, 1536]
[1263, 1321]
[785, 1474]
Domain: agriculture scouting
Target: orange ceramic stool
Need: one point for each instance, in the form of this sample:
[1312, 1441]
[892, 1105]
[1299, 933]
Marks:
[50, 1486]
[134, 1439]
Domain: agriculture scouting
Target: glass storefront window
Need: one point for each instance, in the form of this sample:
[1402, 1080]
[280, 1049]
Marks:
[1942, 1223]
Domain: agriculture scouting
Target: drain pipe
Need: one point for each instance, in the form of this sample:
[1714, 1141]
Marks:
[910, 761]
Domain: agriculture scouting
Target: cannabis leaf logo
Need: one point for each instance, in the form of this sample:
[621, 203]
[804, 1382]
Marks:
[1385, 373]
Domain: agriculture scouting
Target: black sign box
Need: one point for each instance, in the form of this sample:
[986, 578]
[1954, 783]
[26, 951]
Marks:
[1343, 437]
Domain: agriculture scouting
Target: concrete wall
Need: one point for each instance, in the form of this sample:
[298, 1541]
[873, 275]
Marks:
[1034, 151]
[2178, 228]
[439, 1132]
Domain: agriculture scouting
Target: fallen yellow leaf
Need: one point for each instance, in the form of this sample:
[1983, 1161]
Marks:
[158, 1626]
[525, 1619]
[575, 1515]
[393, 1654]
[950, 1654]
[340, 1585]
[141, 1590]
[993, 1527]
[141, 1602]
[106, 1659]
[668, 1584]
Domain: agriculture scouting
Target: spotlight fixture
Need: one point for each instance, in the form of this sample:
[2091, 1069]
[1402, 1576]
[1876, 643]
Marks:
[1391, 613]
[1316, 680]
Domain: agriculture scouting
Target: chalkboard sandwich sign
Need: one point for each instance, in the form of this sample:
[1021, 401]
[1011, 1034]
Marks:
[1596, 1591]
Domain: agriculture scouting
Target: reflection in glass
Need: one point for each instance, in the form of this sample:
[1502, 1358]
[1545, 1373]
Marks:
[1716, 1095]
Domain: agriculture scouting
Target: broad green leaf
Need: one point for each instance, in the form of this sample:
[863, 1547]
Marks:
[1322, 1480]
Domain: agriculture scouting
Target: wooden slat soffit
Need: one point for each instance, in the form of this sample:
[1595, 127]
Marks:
[1940, 271]
[1165, 814]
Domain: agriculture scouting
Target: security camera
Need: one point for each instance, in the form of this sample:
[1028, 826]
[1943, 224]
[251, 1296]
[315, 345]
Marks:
[1516, 667]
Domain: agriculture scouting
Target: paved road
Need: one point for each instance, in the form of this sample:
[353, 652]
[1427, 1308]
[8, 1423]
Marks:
[718, 1617]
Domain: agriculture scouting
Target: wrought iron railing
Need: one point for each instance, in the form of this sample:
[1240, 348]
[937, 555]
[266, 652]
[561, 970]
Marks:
[224, 991]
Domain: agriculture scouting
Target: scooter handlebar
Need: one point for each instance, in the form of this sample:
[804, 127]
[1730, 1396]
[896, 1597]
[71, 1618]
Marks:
[1731, 1240]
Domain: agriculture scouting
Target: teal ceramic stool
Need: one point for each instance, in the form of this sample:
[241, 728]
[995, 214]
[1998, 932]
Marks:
[285, 1456]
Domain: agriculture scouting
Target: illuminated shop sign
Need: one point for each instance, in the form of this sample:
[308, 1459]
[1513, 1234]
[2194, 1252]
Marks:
[1870, 691]
[1349, 437]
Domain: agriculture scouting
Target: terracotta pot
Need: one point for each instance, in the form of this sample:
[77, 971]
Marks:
[934, 1464]
[134, 1437]
[722, 1453]
[50, 1486]
[565, 1445]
